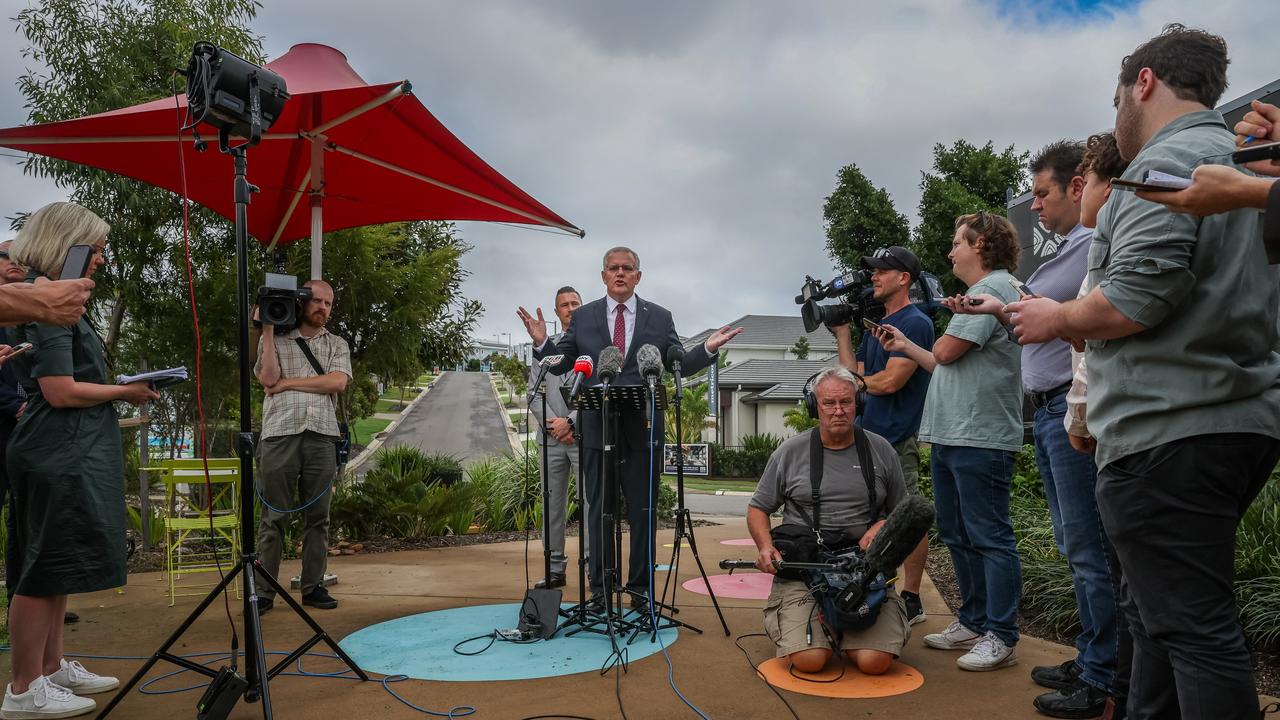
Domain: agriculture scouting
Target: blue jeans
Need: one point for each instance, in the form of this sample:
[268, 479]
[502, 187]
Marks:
[971, 492]
[1070, 478]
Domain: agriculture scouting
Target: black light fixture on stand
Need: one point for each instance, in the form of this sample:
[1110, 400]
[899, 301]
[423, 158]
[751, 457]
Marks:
[239, 99]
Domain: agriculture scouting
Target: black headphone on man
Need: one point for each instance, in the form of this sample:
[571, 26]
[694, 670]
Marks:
[811, 398]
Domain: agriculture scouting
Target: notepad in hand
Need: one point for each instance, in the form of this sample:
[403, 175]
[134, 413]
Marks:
[158, 378]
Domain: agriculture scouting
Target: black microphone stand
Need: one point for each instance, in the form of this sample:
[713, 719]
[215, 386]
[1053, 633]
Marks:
[684, 524]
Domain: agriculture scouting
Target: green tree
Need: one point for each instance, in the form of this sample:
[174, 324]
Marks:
[694, 410]
[801, 348]
[860, 217]
[99, 55]
[797, 418]
[964, 179]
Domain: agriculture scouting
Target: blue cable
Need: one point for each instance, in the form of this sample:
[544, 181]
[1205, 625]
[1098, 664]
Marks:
[257, 490]
[459, 711]
[653, 530]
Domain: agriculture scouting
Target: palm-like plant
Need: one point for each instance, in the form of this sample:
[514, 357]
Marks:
[797, 419]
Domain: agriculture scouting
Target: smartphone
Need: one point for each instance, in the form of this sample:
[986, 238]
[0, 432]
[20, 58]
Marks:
[18, 350]
[77, 262]
[1257, 151]
[1021, 287]
[871, 326]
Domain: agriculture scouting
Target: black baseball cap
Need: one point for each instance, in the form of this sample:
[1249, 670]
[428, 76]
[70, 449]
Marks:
[894, 257]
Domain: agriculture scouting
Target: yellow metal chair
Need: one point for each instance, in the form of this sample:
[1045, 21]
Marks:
[198, 534]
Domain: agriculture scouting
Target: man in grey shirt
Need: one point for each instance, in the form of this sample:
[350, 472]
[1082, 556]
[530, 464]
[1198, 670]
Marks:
[845, 508]
[557, 428]
[1184, 385]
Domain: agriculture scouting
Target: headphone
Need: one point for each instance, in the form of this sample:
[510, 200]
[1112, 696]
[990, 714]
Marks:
[811, 398]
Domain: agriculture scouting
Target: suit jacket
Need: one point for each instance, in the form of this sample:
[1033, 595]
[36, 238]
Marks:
[590, 332]
[556, 406]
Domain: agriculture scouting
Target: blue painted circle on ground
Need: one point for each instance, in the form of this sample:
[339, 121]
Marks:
[421, 646]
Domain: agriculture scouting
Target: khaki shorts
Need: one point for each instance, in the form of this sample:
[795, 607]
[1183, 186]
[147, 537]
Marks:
[790, 610]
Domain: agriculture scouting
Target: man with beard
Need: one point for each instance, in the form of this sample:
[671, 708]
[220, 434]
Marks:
[1184, 382]
[296, 462]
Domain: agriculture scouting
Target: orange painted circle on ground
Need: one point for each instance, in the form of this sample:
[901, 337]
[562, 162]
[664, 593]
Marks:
[899, 680]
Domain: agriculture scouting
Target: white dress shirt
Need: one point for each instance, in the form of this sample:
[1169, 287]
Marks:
[629, 322]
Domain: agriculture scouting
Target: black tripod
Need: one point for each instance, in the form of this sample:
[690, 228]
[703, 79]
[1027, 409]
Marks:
[256, 675]
[684, 526]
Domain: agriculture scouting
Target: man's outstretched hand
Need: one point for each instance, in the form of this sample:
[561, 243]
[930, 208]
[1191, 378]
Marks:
[720, 337]
[536, 326]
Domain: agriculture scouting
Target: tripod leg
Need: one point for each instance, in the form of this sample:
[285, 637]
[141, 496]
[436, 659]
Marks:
[673, 567]
[315, 627]
[693, 545]
[255, 656]
[173, 638]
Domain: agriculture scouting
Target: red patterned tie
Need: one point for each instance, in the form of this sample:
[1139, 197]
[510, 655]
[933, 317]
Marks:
[620, 330]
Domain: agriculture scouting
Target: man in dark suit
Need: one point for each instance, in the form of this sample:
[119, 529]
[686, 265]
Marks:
[627, 322]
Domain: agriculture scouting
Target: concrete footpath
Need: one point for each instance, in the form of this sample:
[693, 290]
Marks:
[709, 670]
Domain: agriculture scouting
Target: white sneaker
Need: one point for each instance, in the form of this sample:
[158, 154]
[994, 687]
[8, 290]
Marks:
[75, 678]
[989, 653]
[44, 699]
[955, 637]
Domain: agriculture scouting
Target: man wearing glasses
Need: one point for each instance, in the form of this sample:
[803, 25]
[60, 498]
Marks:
[627, 322]
[896, 385]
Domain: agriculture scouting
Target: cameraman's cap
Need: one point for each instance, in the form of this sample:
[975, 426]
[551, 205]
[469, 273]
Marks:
[893, 257]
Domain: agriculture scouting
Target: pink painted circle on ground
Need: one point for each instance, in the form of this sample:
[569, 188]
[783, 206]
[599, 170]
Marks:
[739, 541]
[745, 585]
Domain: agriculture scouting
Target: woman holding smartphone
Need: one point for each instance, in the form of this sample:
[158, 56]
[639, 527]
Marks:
[66, 471]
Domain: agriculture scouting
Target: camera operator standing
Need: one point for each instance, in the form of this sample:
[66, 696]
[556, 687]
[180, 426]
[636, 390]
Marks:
[303, 372]
[896, 385]
[849, 512]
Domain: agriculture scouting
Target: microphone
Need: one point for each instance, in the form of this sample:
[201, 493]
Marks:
[675, 356]
[545, 366]
[582, 368]
[610, 365]
[900, 534]
[650, 362]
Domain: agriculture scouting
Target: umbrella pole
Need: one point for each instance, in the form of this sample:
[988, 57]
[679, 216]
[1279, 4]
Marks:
[317, 209]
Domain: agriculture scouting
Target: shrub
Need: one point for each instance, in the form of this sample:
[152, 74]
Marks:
[749, 462]
[407, 494]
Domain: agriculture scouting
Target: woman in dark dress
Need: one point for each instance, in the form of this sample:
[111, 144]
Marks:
[67, 475]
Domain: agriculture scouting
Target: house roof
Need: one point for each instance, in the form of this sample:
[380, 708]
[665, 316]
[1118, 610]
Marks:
[772, 331]
[775, 380]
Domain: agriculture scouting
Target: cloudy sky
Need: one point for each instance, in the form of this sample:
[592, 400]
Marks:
[707, 134]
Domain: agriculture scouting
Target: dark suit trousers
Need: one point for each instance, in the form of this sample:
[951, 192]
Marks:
[639, 490]
[1172, 513]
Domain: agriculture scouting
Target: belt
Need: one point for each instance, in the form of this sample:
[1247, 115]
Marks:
[1040, 399]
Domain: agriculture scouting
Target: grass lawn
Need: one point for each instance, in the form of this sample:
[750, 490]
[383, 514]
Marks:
[363, 430]
[385, 405]
[712, 484]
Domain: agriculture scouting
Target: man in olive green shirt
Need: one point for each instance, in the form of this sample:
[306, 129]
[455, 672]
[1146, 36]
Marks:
[1184, 390]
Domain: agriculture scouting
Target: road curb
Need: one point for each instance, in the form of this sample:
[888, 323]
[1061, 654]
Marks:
[377, 443]
[512, 436]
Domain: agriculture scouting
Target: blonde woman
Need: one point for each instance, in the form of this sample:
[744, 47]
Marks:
[67, 475]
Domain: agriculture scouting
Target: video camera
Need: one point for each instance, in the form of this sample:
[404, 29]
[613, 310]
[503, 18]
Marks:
[859, 303]
[848, 589]
[281, 301]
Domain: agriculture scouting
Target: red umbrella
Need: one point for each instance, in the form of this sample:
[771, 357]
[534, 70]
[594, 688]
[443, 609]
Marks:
[356, 154]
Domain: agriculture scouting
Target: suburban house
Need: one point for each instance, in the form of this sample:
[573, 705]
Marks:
[763, 378]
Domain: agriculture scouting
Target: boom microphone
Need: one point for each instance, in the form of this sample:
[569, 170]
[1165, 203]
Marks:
[900, 534]
[610, 364]
[582, 368]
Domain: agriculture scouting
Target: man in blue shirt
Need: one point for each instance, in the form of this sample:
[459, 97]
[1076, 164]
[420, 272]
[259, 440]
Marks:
[896, 385]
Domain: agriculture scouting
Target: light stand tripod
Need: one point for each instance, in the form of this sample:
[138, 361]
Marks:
[684, 523]
[257, 677]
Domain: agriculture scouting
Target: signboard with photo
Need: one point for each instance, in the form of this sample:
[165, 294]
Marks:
[696, 459]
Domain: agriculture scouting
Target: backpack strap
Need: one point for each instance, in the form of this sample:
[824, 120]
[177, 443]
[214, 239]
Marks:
[867, 461]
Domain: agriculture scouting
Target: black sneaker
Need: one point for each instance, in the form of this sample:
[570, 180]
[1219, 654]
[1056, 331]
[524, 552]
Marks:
[319, 598]
[1080, 700]
[915, 609]
[264, 605]
[1056, 677]
[557, 580]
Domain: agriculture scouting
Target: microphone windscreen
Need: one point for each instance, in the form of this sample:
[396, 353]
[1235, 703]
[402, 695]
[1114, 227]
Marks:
[583, 365]
[551, 360]
[900, 534]
[650, 361]
[610, 363]
[675, 354]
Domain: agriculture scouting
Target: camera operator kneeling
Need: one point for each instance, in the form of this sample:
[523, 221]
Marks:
[817, 479]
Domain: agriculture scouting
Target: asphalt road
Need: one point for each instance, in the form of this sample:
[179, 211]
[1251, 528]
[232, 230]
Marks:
[459, 416]
[720, 505]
